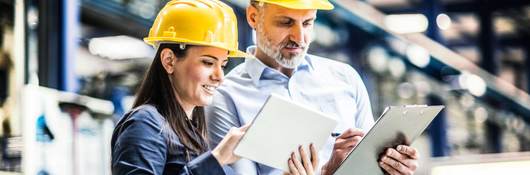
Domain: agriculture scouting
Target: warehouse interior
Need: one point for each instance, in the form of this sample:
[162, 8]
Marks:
[69, 69]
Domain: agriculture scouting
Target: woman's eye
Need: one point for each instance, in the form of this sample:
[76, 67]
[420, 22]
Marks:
[207, 63]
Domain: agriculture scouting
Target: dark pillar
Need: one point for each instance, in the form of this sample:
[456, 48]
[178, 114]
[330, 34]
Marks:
[527, 62]
[57, 43]
[487, 41]
[438, 128]
[493, 137]
[488, 62]
[49, 53]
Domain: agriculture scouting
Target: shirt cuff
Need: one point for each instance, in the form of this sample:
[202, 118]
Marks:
[205, 163]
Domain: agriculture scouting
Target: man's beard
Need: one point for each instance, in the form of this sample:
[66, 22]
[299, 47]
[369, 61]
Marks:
[290, 61]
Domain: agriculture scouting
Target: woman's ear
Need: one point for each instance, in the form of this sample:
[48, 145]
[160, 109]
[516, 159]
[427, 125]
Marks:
[167, 57]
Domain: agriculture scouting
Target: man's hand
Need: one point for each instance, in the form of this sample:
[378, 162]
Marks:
[400, 161]
[343, 145]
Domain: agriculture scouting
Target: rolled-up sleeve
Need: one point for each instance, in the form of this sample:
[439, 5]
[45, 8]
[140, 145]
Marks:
[221, 116]
[364, 118]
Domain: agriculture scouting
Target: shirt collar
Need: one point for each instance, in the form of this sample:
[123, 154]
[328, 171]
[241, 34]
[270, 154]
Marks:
[255, 67]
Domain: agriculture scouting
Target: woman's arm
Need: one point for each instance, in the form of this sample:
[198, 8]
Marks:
[138, 145]
[205, 164]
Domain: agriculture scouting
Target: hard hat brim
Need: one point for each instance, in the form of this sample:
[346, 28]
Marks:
[232, 53]
[238, 54]
[307, 5]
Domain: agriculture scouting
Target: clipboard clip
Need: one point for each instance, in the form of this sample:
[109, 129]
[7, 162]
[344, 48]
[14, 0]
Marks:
[413, 106]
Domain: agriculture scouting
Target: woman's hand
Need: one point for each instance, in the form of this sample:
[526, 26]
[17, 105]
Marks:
[224, 151]
[308, 164]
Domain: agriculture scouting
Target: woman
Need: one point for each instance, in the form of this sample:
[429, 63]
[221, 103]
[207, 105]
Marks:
[165, 133]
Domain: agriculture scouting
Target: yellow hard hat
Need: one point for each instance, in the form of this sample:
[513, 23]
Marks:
[301, 4]
[196, 22]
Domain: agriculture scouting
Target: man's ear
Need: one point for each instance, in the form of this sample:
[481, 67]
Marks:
[252, 15]
[168, 60]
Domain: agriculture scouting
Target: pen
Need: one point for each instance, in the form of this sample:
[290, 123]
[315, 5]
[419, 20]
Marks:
[334, 134]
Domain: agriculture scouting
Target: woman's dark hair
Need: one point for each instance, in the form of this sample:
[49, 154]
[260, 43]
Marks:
[157, 90]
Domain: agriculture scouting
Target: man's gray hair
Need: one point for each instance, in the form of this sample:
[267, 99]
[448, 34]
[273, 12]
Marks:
[257, 4]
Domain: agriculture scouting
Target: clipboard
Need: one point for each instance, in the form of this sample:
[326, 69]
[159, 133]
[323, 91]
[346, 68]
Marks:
[396, 126]
[279, 128]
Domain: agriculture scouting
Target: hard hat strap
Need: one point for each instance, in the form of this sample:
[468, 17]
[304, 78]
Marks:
[182, 46]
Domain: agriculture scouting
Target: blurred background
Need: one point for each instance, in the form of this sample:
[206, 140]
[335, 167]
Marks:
[69, 69]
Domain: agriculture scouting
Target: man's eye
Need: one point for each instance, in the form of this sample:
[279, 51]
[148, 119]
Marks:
[285, 23]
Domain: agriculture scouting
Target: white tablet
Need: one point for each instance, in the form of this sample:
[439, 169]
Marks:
[279, 128]
[396, 126]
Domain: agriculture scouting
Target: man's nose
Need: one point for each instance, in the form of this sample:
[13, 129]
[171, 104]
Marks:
[297, 34]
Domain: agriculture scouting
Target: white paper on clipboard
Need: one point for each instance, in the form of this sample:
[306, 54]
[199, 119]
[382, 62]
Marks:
[279, 128]
[397, 125]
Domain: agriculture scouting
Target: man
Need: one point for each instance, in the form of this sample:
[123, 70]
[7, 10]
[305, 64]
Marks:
[282, 66]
